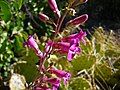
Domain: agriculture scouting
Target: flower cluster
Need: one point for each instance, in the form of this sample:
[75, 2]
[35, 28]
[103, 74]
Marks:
[59, 73]
[54, 81]
[32, 44]
[67, 45]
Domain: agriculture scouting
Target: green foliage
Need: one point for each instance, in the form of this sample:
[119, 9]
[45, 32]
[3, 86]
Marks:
[5, 12]
[80, 84]
[83, 62]
[29, 70]
[97, 67]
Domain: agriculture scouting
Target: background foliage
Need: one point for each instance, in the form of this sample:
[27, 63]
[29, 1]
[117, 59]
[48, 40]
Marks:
[97, 68]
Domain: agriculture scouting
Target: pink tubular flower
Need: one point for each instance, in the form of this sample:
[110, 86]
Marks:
[74, 49]
[70, 48]
[53, 6]
[55, 83]
[48, 47]
[69, 45]
[32, 44]
[43, 17]
[61, 74]
[78, 20]
[76, 37]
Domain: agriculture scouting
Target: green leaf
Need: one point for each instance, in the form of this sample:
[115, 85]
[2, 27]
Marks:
[83, 62]
[29, 70]
[114, 79]
[98, 47]
[5, 13]
[80, 84]
[31, 57]
[103, 72]
[112, 53]
[2, 48]
[20, 2]
[18, 43]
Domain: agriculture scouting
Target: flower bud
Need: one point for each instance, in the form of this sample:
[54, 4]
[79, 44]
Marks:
[43, 17]
[83, 1]
[78, 20]
[53, 6]
[32, 44]
[77, 2]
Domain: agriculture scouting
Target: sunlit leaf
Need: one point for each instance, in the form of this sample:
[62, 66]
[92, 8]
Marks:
[80, 84]
[29, 70]
[103, 71]
[5, 12]
[83, 62]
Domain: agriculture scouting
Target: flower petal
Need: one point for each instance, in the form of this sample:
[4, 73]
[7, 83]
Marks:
[70, 55]
[32, 44]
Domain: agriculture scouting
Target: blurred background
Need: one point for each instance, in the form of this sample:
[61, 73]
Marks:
[19, 19]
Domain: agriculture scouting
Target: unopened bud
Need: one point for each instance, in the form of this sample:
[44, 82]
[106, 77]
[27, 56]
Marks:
[78, 20]
[53, 6]
[83, 1]
[77, 2]
[43, 17]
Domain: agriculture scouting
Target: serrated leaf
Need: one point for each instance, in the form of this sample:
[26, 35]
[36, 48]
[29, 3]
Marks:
[5, 12]
[80, 84]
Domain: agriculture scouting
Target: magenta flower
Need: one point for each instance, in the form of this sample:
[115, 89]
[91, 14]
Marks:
[78, 20]
[48, 47]
[43, 17]
[61, 74]
[75, 37]
[74, 49]
[55, 83]
[70, 48]
[53, 6]
[68, 45]
[32, 44]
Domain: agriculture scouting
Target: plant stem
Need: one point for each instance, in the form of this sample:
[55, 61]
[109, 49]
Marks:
[57, 28]
[61, 21]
